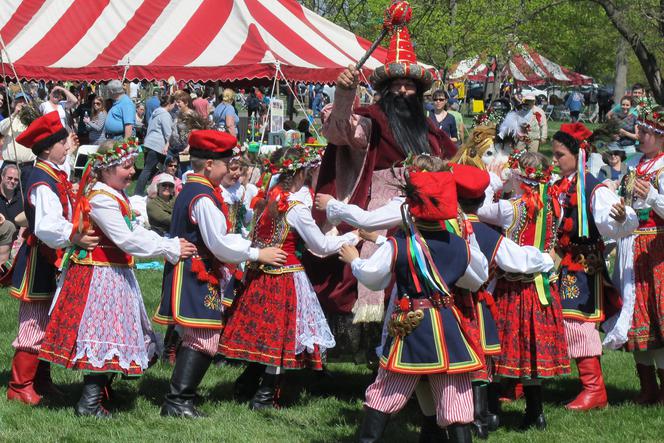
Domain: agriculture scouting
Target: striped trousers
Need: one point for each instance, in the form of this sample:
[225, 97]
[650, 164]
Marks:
[201, 339]
[452, 394]
[32, 321]
[582, 338]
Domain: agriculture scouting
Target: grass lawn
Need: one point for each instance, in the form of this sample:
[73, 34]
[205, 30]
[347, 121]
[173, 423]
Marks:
[328, 411]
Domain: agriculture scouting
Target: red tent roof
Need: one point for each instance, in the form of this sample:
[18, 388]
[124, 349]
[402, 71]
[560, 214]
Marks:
[189, 40]
[525, 66]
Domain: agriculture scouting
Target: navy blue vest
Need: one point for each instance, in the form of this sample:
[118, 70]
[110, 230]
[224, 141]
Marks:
[186, 300]
[440, 343]
[34, 274]
[582, 295]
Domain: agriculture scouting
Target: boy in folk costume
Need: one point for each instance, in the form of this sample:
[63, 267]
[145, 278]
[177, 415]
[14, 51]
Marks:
[503, 255]
[529, 315]
[640, 261]
[277, 322]
[48, 209]
[427, 332]
[193, 289]
[98, 323]
[590, 212]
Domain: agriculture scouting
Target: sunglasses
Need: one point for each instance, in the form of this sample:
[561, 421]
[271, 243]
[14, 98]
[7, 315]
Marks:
[440, 99]
[97, 103]
[11, 179]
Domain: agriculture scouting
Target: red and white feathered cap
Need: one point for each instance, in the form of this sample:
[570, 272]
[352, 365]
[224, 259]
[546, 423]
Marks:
[431, 196]
[210, 143]
[43, 133]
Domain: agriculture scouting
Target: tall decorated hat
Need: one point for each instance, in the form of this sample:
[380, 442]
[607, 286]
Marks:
[401, 61]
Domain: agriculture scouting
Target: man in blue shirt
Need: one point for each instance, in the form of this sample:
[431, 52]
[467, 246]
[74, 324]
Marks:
[122, 115]
[574, 103]
[150, 105]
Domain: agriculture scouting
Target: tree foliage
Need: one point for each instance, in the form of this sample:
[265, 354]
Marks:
[581, 35]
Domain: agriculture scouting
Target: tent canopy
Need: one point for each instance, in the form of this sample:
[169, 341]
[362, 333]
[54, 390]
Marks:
[196, 40]
[525, 66]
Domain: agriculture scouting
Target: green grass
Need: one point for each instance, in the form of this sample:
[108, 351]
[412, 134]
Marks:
[328, 411]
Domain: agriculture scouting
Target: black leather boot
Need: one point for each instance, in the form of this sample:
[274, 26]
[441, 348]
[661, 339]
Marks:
[493, 402]
[264, 396]
[480, 406]
[373, 425]
[90, 401]
[248, 382]
[534, 416]
[190, 367]
[431, 432]
[459, 433]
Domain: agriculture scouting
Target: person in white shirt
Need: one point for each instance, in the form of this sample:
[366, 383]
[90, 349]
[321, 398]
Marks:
[48, 210]
[98, 321]
[194, 290]
[56, 98]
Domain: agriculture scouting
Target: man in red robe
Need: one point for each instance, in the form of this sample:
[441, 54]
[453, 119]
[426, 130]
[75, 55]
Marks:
[367, 146]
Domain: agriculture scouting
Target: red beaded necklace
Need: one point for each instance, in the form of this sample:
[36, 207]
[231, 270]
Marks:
[644, 167]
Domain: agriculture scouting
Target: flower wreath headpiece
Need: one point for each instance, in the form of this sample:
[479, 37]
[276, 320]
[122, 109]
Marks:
[239, 151]
[528, 175]
[310, 158]
[649, 118]
[121, 152]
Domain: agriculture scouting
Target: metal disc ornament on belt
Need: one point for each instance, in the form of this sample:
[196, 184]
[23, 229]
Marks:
[403, 323]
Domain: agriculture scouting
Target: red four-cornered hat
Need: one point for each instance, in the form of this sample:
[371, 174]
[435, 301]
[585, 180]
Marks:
[210, 143]
[471, 182]
[43, 133]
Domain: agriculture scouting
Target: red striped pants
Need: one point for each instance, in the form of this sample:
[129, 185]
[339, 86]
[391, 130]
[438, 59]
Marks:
[582, 338]
[201, 339]
[32, 321]
[453, 395]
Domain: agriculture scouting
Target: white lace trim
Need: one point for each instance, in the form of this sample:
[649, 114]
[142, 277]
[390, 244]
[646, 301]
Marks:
[311, 326]
[114, 322]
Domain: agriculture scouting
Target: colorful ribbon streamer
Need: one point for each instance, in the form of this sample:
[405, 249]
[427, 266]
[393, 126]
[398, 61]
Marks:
[541, 280]
[581, 195]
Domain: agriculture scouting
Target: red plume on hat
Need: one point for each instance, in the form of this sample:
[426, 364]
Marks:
[577, 130]
[401, 60]
[431, 196]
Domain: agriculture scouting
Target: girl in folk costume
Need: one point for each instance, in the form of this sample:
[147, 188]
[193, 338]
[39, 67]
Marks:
[590, 211]
[98, 322]
[529, 315]
[640, 261]
[428, 335]
[48, 210]
[277, 320]
[192, 294]
[235, 195]
[503, 255]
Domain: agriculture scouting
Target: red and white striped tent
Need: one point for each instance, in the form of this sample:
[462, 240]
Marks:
[525, 66]
[196, 40]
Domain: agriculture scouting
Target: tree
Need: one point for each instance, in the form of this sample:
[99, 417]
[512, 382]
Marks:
[641, 23]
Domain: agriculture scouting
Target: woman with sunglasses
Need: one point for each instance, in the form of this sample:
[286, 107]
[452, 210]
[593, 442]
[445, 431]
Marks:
[441, 118]
[95, 122]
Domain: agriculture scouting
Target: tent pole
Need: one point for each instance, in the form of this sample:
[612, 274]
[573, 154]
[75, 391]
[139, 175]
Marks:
[277, 70]
[299, 103]
[9, 112]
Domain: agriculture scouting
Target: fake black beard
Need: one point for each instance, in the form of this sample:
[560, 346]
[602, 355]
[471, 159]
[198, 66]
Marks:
[407, 120]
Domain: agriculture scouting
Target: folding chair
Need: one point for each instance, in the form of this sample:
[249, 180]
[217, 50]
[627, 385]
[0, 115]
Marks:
[82, 154]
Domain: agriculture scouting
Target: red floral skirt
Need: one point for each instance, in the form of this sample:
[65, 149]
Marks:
[262, 323]
[59, 345]
[647, 331]
[532, 336]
